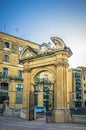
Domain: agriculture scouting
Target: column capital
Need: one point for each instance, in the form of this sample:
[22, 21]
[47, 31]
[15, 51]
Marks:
[61, 63]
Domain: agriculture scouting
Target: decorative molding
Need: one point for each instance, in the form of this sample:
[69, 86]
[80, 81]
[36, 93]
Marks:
[62, 63]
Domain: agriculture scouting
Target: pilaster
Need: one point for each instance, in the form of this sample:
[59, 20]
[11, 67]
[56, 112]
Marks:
[61, 113]
[26, 92]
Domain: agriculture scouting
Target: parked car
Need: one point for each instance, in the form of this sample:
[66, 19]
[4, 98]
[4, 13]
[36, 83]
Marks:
[40, 109]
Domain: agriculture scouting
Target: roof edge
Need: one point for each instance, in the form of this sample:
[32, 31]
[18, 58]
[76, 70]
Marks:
[18, 37]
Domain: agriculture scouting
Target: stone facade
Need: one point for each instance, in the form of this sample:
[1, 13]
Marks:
[11, 76]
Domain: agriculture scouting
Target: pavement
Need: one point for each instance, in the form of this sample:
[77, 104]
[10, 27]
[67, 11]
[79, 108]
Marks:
[15, 123]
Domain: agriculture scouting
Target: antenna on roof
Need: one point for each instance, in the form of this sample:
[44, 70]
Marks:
[17, 31]
[4, 28]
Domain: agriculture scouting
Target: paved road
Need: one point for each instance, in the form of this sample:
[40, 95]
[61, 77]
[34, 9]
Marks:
[13, 123]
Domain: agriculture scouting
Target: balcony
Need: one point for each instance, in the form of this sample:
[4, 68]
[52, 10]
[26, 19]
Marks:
[43, 81]
[11, 77]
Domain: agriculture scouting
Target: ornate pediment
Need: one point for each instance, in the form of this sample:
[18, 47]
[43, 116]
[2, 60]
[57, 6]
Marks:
[27, 52]
[44, 49]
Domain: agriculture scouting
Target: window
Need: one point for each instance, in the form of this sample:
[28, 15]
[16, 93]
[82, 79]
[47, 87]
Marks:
[46, 78]
[19, 94]
[19, 74]
[77, 75]
[6, 58]
[36, 88]
[19, 87]
[7, 44]
[85, 92]
[37, 78]
[4, 86]
[78, 89]
[84, 77]
[46, 89]
[78, 96]
[78, 82]
[5, 72]
[18, 98]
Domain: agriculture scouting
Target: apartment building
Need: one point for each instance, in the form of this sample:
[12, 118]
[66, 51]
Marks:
[77, 87]
[11, 77]
[83, 78]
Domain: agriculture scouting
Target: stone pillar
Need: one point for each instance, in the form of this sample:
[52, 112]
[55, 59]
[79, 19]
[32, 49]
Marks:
[61, 112]
[12, 94]
[26, 92]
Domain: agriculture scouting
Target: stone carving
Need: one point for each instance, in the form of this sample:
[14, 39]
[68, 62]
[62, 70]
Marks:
[45, 48]
[59, 43]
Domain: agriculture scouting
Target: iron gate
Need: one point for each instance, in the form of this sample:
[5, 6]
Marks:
[48, 100]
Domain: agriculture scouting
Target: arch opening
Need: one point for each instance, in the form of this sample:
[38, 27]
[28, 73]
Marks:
[43, 89]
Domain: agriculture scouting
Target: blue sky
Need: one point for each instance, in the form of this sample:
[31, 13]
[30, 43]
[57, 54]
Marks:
[39, 20]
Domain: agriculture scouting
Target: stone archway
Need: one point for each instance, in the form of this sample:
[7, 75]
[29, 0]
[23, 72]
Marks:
[56, 60]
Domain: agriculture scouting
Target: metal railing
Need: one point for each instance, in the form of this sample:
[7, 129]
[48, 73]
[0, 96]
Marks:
[78, 111]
